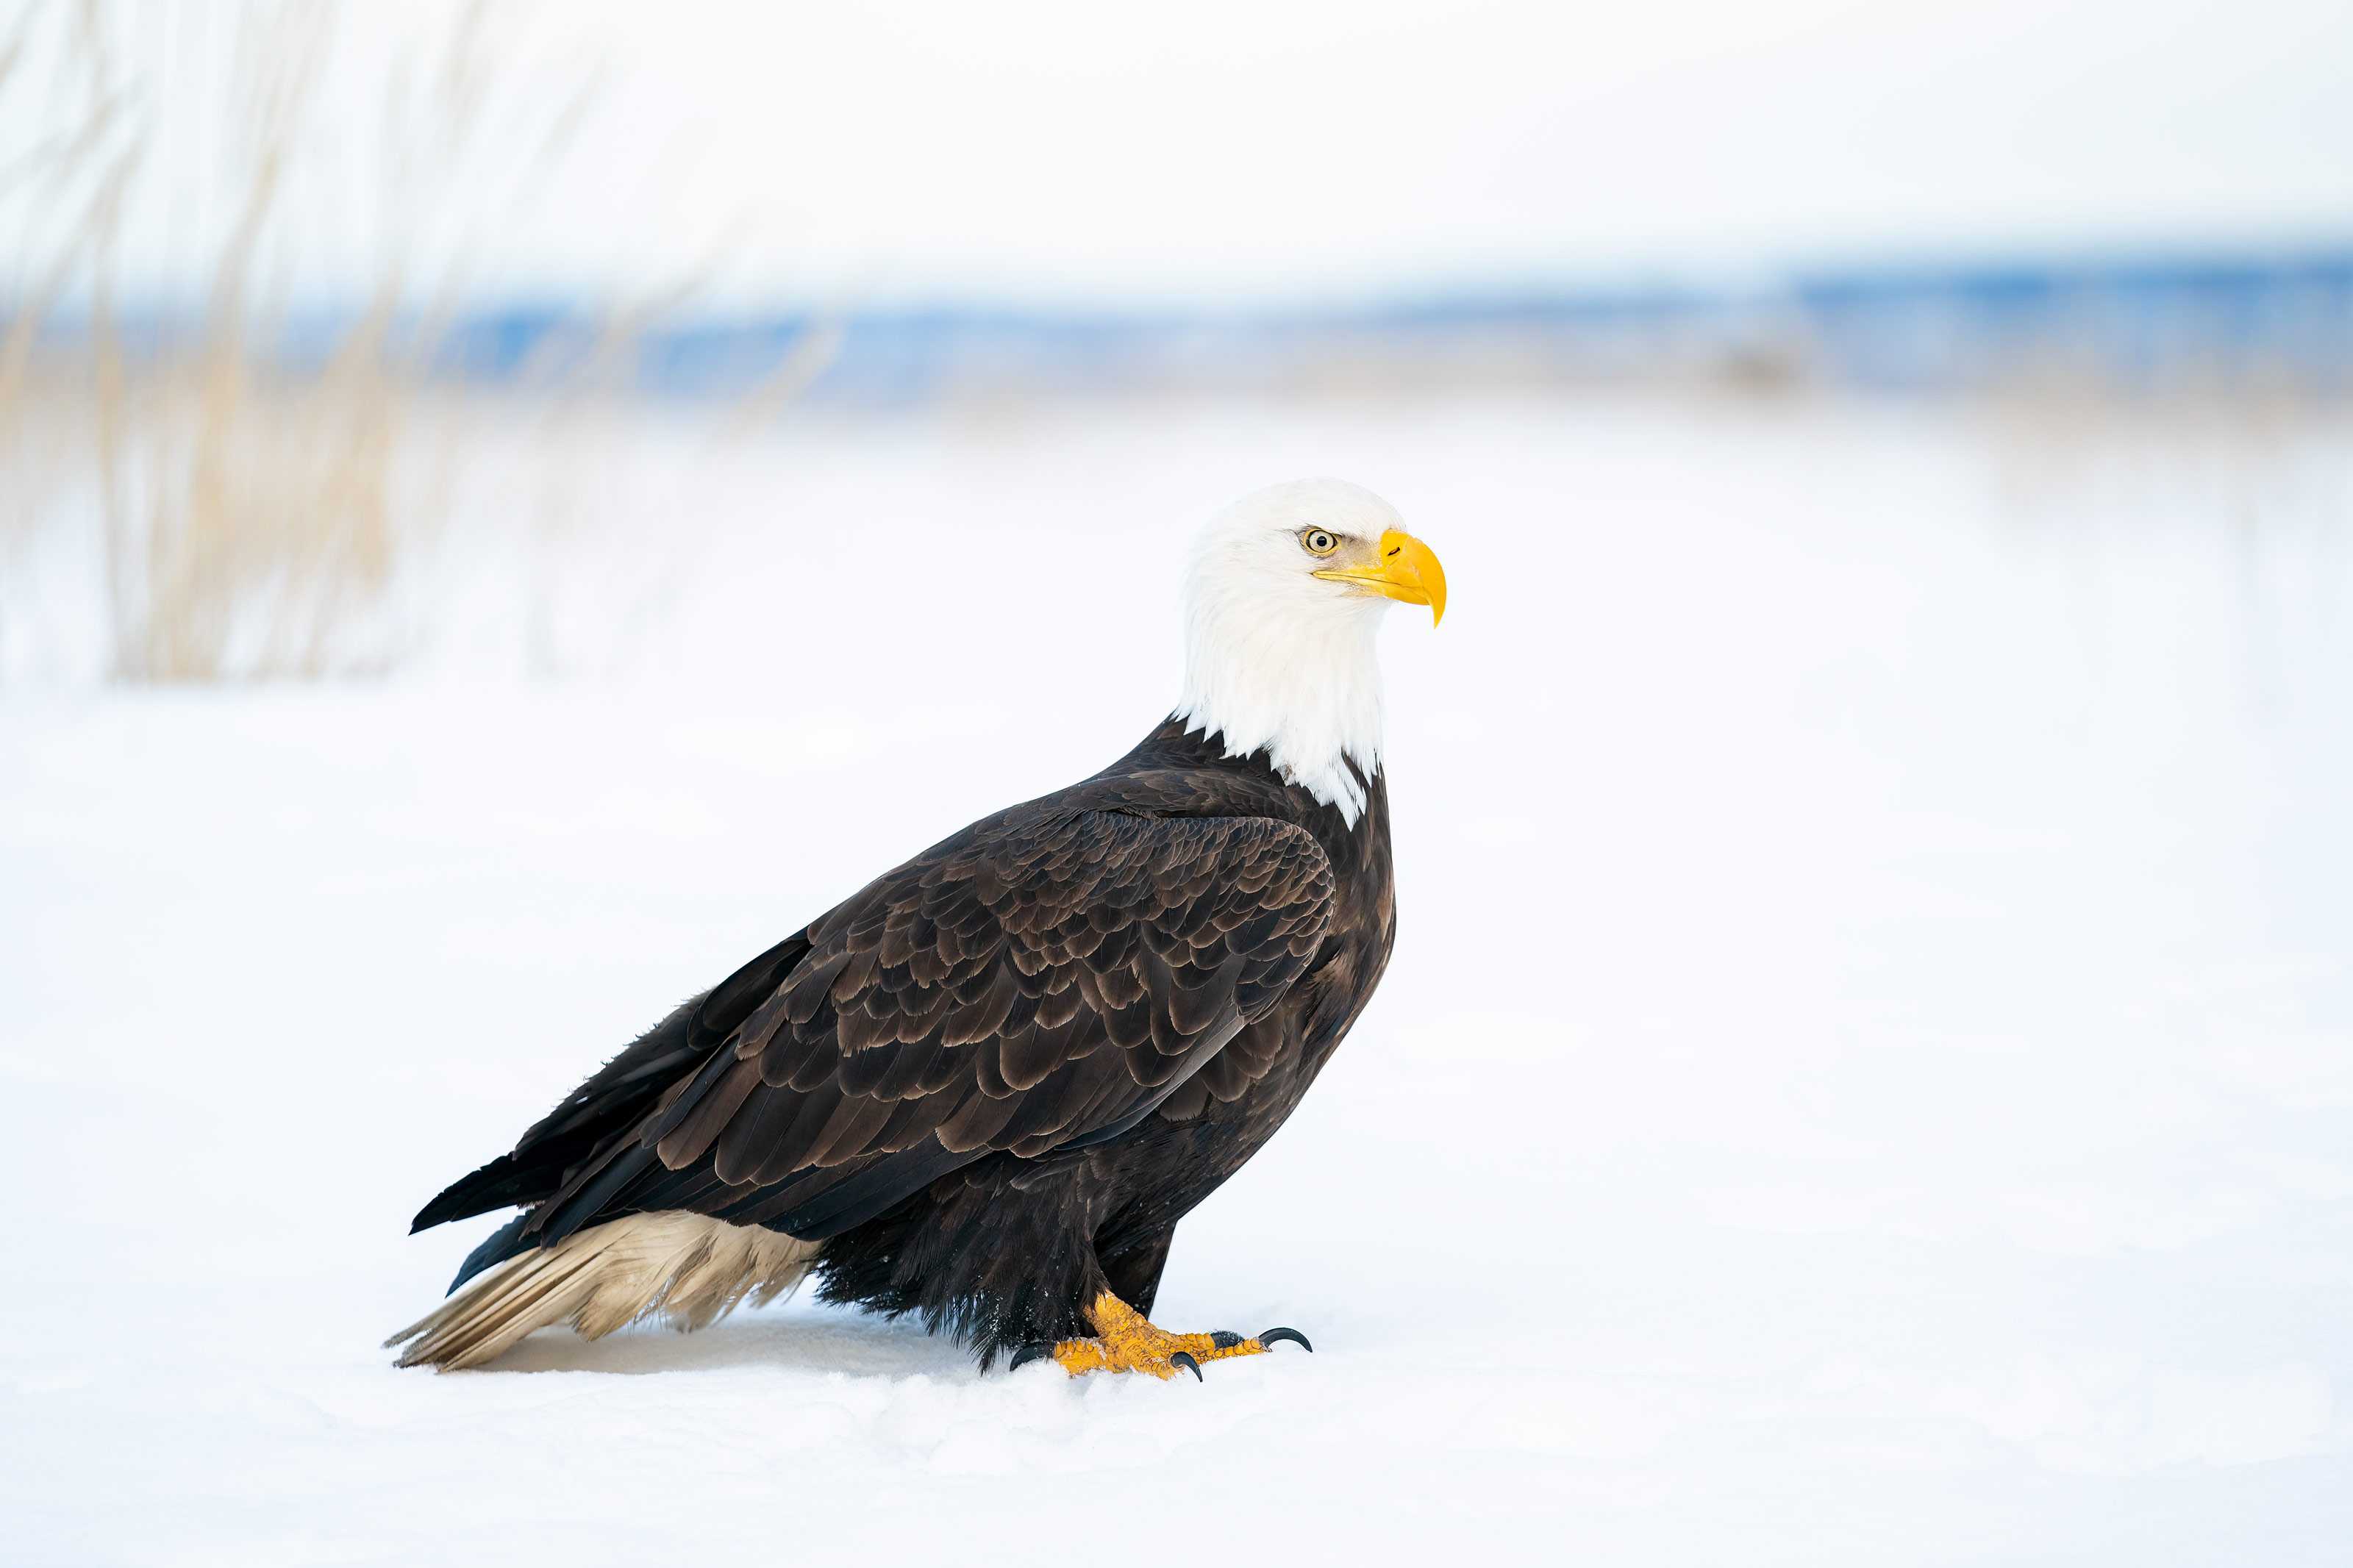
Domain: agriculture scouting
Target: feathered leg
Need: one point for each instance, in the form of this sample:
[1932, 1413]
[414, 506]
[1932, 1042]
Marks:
[1133, 1272]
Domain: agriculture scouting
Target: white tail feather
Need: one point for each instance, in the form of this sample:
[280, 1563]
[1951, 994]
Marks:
[686, 1268]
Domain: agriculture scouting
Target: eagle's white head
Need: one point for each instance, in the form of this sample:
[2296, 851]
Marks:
[1284, 596]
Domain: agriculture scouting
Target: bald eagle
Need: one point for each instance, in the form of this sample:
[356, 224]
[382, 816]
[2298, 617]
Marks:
[985, 1088]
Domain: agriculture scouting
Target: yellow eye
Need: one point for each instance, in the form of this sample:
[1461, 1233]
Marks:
[1317, 541]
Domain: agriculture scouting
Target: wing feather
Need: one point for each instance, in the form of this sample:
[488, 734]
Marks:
[1039, 981]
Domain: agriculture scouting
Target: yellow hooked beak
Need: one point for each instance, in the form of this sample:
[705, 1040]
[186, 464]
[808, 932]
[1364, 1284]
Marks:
[1408, 570]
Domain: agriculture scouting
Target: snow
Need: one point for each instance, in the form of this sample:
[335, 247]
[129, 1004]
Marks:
[1865, 1078]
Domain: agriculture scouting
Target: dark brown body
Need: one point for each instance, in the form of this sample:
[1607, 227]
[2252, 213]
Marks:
[994, 1081]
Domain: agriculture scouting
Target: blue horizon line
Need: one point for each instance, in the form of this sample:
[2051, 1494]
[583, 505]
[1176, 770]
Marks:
[1909, 323]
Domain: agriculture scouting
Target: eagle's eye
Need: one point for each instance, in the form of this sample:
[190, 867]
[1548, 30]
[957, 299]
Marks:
[1317, 541]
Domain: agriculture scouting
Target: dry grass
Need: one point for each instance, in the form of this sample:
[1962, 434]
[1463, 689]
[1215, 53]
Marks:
[251, 521]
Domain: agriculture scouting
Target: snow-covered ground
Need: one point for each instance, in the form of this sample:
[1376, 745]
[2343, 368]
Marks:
[1867, 1075]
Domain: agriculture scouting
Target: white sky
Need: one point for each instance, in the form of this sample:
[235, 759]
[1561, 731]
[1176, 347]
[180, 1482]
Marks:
[1050, 152]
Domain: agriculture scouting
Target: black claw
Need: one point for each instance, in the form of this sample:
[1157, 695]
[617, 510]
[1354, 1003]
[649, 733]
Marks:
[1026, 1354]
[1185, 1359]
[1274, 1337]
[1225, 1339]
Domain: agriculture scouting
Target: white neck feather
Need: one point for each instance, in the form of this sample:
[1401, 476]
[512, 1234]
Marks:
[1304, 688]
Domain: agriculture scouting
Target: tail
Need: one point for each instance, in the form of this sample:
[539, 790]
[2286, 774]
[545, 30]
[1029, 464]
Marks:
[685, 1269]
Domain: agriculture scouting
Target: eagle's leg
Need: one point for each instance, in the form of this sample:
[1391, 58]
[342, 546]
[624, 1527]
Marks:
[1126, 1340]
[1131, 1269]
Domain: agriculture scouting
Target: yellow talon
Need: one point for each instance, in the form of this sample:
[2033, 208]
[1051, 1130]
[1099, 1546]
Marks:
[1126, 1340]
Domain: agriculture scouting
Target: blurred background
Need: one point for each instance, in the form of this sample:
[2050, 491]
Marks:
[353, 340]
[504, 509]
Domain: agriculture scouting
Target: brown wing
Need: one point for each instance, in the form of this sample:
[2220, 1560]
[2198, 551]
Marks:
[1033, 983]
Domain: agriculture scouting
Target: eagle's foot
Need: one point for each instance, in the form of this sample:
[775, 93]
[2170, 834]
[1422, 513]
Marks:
[1126, 1340]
